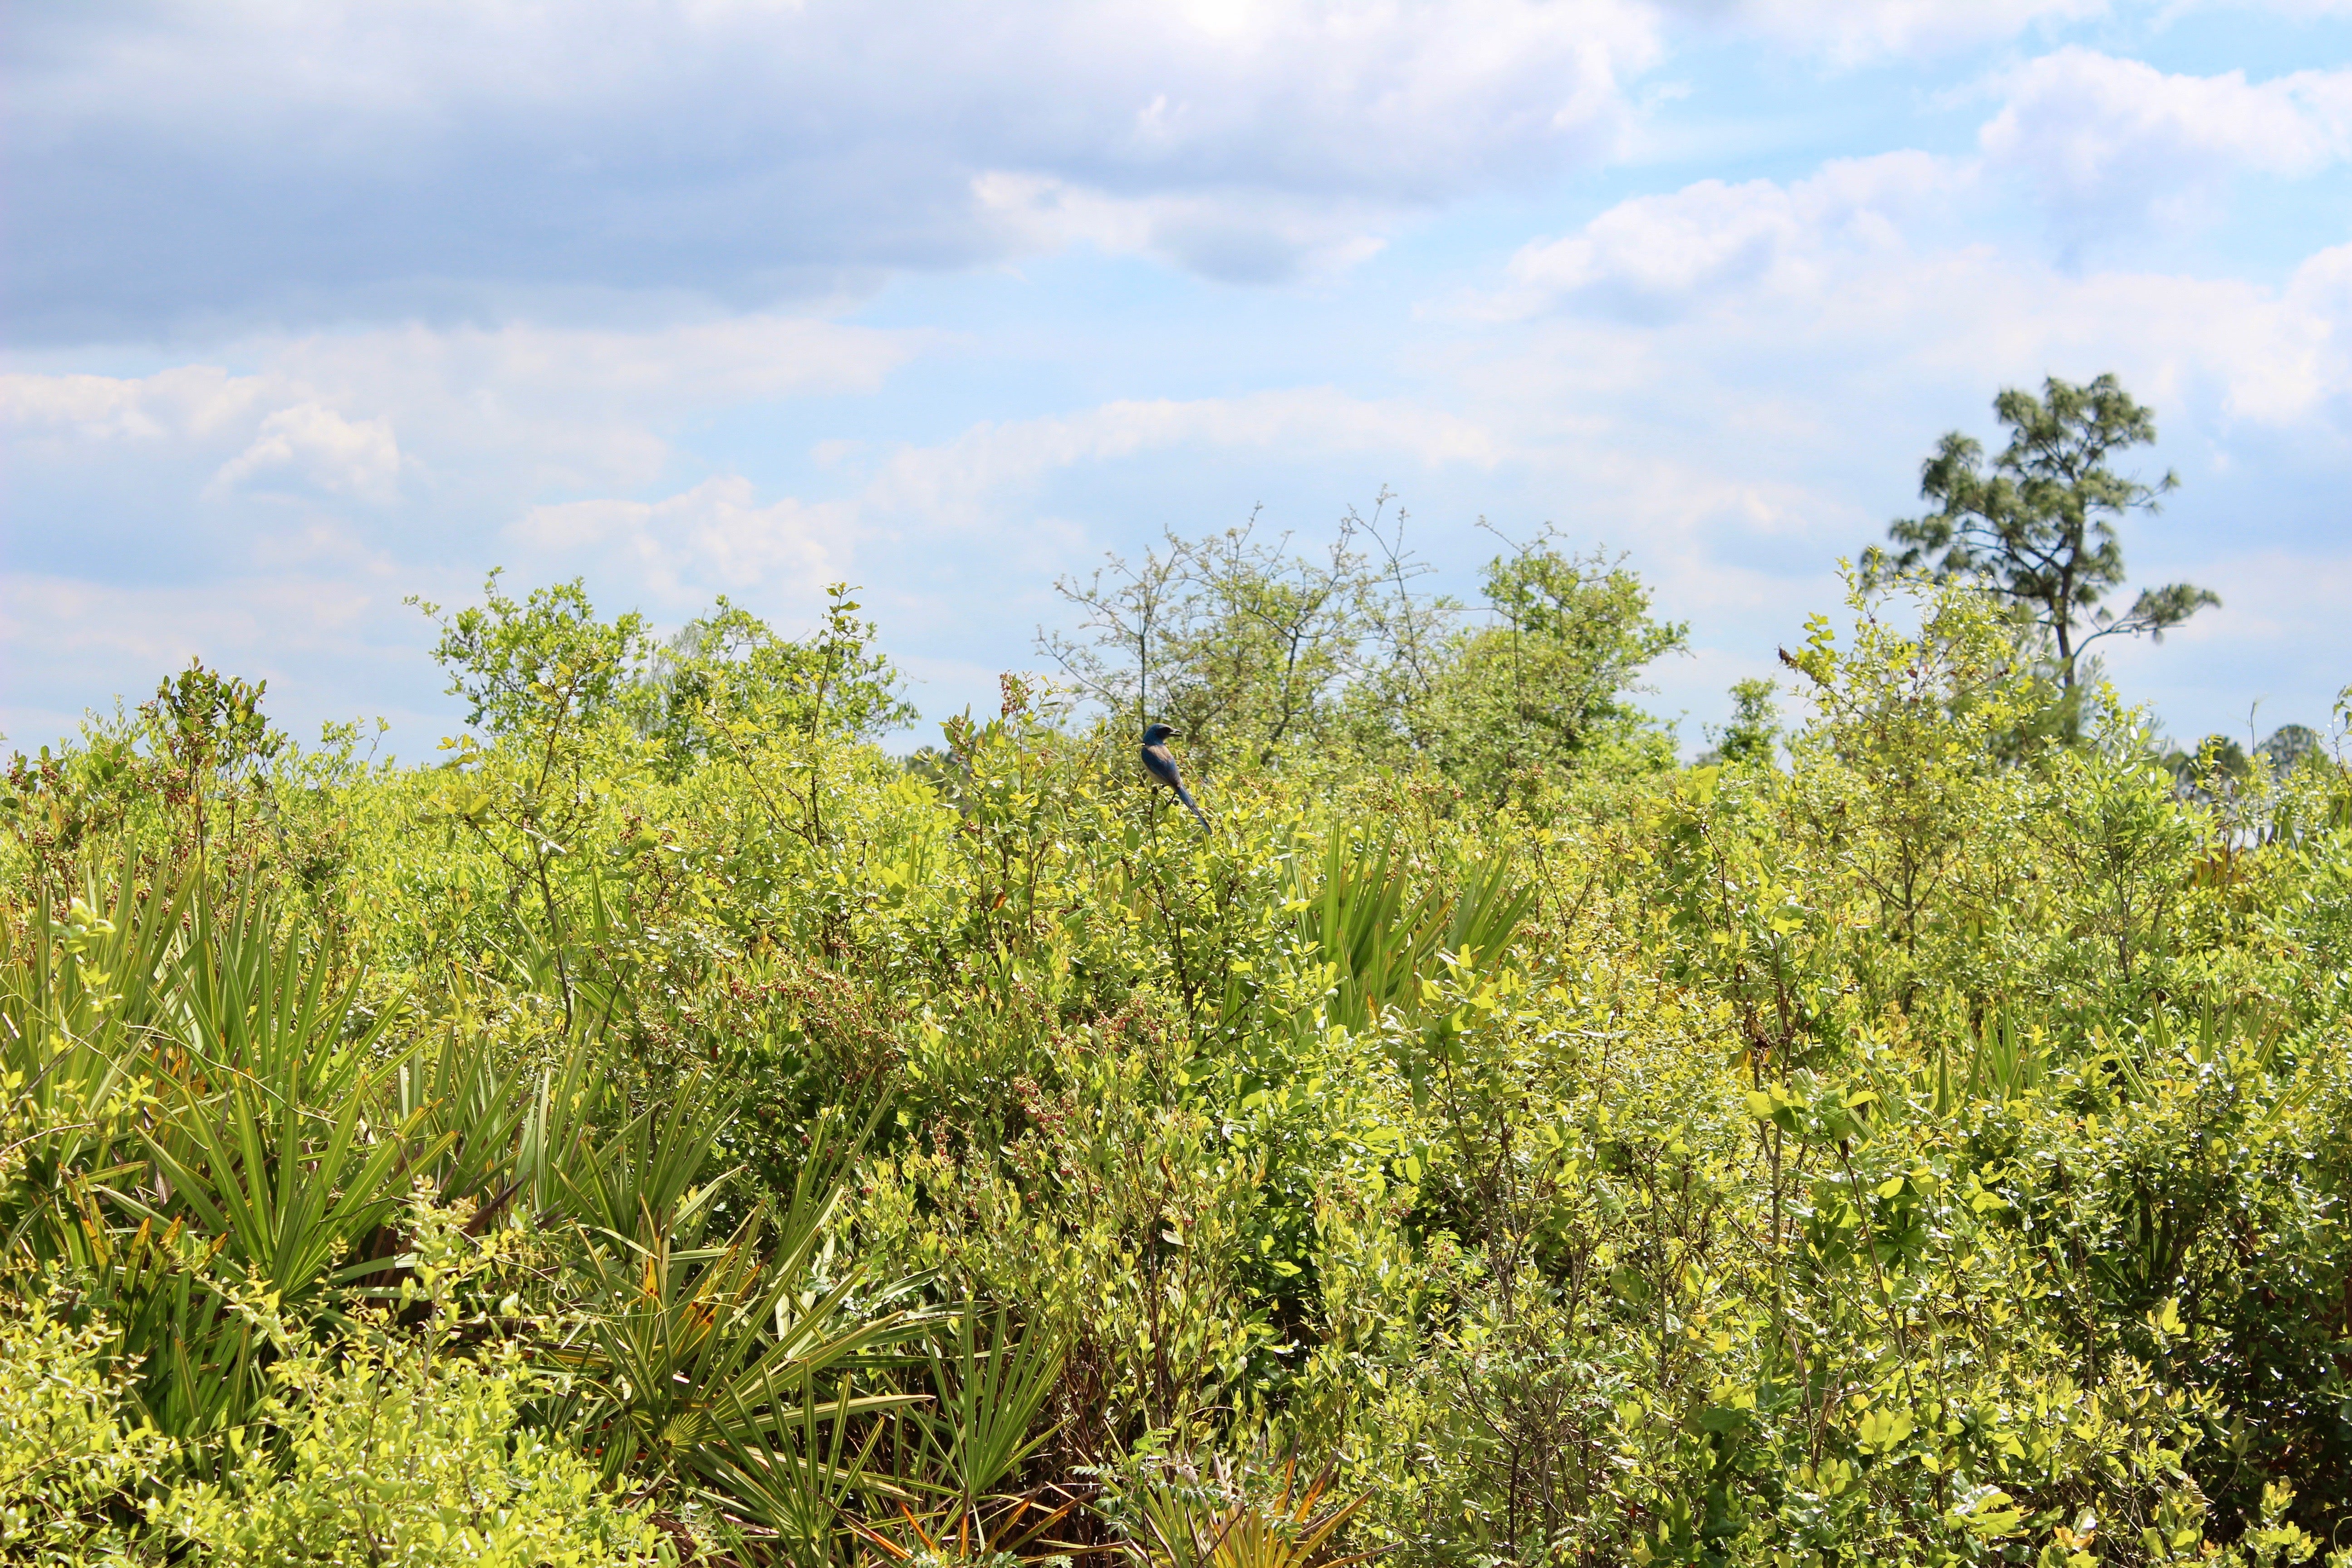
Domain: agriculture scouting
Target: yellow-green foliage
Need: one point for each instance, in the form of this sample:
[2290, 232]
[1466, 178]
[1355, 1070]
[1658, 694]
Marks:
[1934, 1147]
[67, 1451]
[369, 1448]
[395, 1455]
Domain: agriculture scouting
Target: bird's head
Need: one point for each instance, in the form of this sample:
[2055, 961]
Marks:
[1156, 733]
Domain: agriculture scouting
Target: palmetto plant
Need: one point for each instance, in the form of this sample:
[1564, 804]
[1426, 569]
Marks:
[76, 997]
[1208, 1517]
[280, 1131]
[1380, 942]
[207, 1108]
[717, 1365]
[792, 1464]
[989, 1383]
[198, 1105]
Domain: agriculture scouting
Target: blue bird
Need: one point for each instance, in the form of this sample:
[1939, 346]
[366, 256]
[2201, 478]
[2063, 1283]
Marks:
[1160, 766]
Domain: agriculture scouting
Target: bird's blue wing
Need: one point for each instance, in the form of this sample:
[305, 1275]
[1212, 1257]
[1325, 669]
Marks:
[1161, 766]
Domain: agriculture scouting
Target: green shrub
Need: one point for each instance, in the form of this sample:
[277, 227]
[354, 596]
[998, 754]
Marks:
[73, 1462]
[1915, 1139]
[388, 1453]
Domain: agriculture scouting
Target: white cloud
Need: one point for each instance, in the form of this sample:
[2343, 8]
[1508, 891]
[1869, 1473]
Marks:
[2114, 145]
[714, 538]
[962, 481]
[1875, 261]
[342, 159]
[331, 643]
[309, 446]
[2300, 10]
[576, 408]
[1653, 257]
[1855, 31]
[1798, 287]
[188, 400]
[1238, 237]
[704, 363]
[523, 409]
[718, 537]
[302, 444]
[156, 628]
[1739, 381]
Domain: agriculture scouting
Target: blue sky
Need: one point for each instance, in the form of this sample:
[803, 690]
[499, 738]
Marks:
[312, 306]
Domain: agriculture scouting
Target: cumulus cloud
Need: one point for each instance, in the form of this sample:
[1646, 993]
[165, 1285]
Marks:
[2115, 145]
[719, 537]
[327, 643]
[562, 225]
[155, 628]
[713, 538]
[1654, 258]
[498, 413]
[342, 158]
[1734, 283]
[560, 408]
[312, 446]
[1237, 236]
[186, 400]
[2301, 10]
[1738, 380]
[1855, 31]
[1885, 256]
[962, 481]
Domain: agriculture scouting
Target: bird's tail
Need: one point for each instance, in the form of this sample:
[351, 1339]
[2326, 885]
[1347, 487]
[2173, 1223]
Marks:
[1186, 797]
